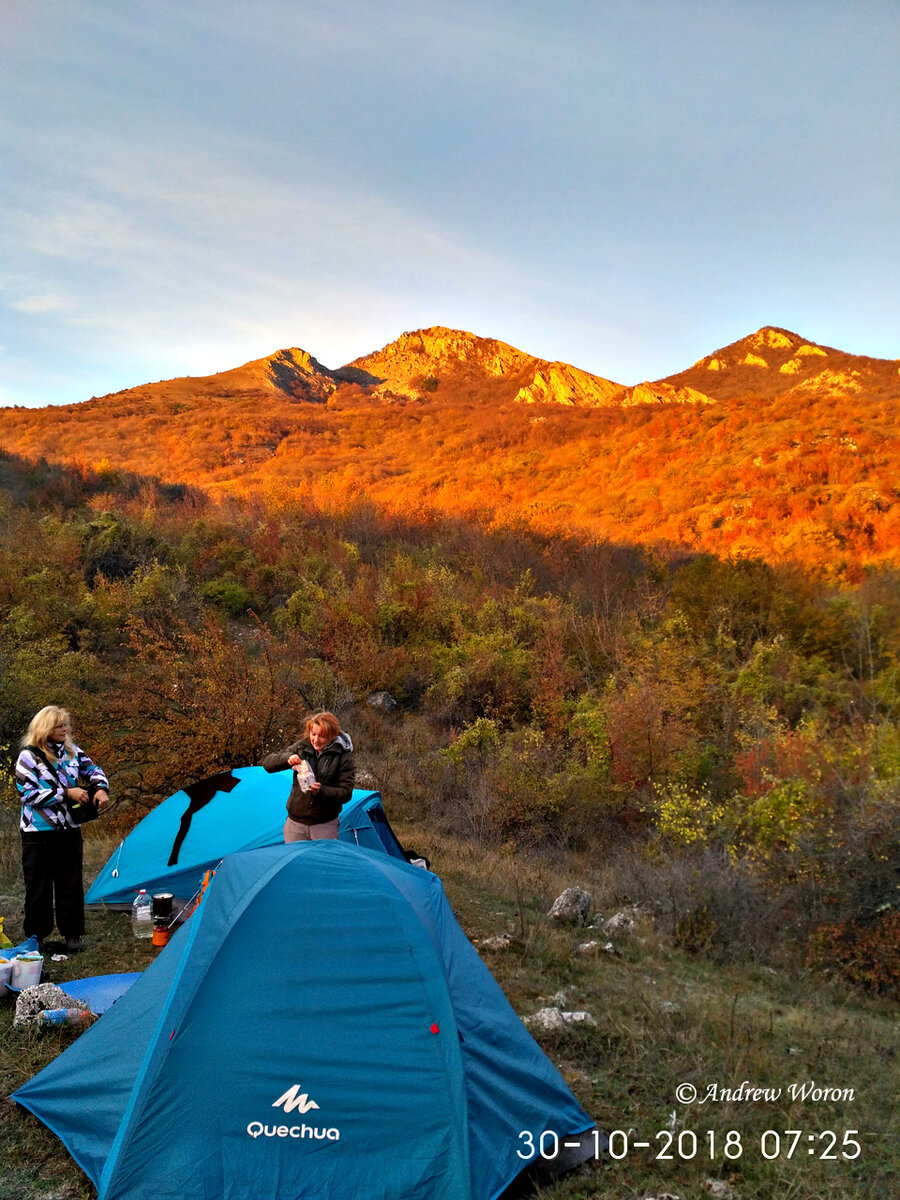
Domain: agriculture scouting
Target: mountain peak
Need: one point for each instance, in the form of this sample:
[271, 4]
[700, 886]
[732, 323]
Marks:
[291, 372]
[427, 349]
[456, 362]
[769, 345]
[284, 371]
[777, 362]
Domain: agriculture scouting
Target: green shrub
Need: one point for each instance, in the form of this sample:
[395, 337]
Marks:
[228, 595]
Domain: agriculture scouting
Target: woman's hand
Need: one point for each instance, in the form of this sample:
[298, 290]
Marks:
[102, 798]
[77, 795]
[314, 787]
[294, 760]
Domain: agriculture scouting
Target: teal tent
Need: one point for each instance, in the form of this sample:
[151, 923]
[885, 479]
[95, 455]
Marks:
[193, 830]
[320, 1029]
[364, 823]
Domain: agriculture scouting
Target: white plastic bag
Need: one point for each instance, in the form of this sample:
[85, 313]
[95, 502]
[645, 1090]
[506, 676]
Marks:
[305, 776]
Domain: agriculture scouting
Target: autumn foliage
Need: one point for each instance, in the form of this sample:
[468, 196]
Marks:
[601, 627]
[791, 452]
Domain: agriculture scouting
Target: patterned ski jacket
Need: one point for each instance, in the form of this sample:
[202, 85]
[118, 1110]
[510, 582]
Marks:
[42, 790]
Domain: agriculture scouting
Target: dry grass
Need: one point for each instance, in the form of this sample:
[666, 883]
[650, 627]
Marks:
[665, 1018]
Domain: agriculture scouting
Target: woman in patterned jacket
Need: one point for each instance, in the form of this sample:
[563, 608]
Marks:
[53, 777]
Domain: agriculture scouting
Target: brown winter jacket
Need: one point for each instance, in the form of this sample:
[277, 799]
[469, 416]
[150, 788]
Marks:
[333, 767]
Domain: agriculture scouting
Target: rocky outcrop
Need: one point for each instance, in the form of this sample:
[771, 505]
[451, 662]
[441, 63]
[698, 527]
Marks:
[832, 383]
[664, 393]
[558, 383]
[773, 339]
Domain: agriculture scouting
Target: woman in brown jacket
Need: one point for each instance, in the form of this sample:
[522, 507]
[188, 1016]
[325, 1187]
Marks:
[324, 774]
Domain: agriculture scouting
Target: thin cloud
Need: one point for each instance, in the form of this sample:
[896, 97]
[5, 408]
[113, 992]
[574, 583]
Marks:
[48, 302]
[189, 254]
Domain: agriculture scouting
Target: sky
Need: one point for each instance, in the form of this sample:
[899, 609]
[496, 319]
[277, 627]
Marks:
[624, 185]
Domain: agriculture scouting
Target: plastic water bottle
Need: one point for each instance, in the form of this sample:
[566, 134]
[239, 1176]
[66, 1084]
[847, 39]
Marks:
[142, 915]
[64, 1016]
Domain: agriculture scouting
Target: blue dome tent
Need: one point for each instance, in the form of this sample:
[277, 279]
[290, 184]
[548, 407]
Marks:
[191, 831]
[320, 1029]
[364, 822]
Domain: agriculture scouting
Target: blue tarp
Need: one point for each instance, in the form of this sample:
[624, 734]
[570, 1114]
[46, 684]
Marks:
[320, 1029]
[191, 831]
[29, 946]
[100, 992]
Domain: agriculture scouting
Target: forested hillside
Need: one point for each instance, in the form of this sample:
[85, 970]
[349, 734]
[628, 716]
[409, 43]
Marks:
[773, 447]
[731, 721]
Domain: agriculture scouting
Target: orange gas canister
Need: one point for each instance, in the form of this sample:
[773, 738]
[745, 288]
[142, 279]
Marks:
[160, 932]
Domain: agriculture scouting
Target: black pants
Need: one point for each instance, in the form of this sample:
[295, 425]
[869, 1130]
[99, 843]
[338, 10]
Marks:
[51, 864]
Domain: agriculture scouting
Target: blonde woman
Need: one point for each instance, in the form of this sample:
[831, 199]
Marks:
[53, 777]
[324, 774]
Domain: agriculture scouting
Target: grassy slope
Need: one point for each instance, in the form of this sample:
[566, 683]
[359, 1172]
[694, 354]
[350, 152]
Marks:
[728, 1025]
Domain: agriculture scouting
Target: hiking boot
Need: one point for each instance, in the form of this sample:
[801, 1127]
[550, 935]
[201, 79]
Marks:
[74, 945]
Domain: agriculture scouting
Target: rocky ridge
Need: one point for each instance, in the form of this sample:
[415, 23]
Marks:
[443, 361]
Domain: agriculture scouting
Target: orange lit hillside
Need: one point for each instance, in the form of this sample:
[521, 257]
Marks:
[772, 446]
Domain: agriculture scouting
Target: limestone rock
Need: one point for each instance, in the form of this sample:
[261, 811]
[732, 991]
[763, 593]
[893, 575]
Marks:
[792, 366]
[558, 383]
[772, 339]
[832, 383]
[719, 1189]
[622, 922]
[500, 941]
[594, 947]
[573, 905]
[665, 393]
[550, 1020]
[33, 1001]
[381, 701]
